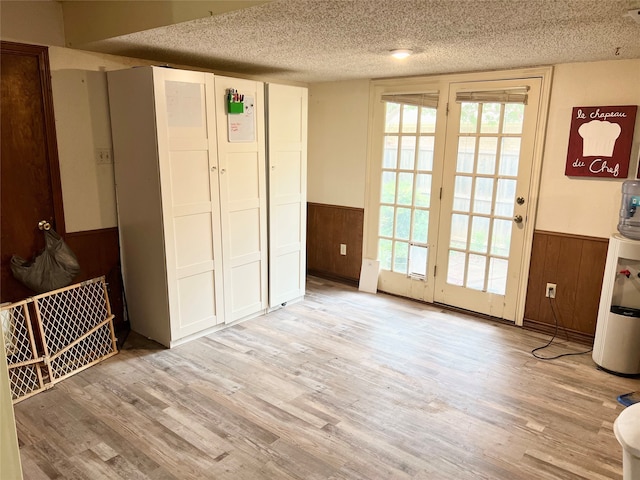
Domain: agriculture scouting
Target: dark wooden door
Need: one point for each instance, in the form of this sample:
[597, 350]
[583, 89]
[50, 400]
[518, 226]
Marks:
[29, 169]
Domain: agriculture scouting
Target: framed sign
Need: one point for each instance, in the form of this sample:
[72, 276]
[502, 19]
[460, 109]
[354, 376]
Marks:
[600, 141]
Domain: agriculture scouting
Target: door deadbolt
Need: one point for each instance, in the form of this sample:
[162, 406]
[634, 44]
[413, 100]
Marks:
[520, 200]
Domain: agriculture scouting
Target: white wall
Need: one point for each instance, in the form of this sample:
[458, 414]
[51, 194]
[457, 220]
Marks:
[576, 205]
[81, 108]
[337, 155]
[38, 22]
[81, 111]
[338, 116]
[338, 122]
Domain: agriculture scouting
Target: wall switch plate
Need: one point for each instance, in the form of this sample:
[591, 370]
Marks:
[104, 156]
[551, 290]
[343, 249]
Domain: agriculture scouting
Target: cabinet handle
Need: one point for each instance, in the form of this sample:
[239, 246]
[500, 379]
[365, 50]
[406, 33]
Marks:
[213, 169]
[222, 171]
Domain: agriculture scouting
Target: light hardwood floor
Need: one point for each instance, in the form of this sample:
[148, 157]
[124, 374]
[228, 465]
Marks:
[344, 385]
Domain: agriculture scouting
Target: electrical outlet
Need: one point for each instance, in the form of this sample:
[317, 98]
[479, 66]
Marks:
[103, 156]
[551, 290]
[343, 249]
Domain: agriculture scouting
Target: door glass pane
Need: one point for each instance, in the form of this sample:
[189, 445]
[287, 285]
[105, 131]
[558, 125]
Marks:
[384, 253]
[403, 223]
[407, 153]
[479, 234]
[386, 221]
[505, 197]
[497, 281]
[466, 154]
[468, 117]
[487, 152]
[462, 193]
[423, 190]
[400, 256]
[513, 118]
[485, 185]
[388, 193]
[406, 194]
[418, 260]
[459, 230]
[409, 119]
[420, 226]
[483, 195]
[392, 118]
[428, 120]
[490, 122]
[476, 271]
[425, 153]
[405, 188]
[509, 156]
[501, 239]
[390, 152]
[456, 268]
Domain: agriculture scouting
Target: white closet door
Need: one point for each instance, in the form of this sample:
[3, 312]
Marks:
[243, 199]
[185, 103]
[287, 140]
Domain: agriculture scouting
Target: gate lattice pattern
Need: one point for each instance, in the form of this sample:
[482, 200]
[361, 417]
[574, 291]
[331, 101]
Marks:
[76, 329]
[24, 365]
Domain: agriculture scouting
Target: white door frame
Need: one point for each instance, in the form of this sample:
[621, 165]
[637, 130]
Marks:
[441, 83]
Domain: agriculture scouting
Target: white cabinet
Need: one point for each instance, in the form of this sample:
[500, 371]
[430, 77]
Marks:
[243, 204]
[287, 146]
[191, 205]
[205, 240]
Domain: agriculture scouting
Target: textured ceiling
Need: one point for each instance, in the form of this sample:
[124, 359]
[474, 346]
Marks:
[327, 40]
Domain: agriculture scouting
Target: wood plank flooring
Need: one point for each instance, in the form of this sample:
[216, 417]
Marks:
[344, 385]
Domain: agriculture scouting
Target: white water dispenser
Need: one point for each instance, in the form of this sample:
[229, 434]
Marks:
[629, 221]
[616, 345]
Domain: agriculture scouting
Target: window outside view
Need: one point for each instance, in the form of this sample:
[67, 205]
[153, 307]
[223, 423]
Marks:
[406, 190]
[484, 195]
[488, 153]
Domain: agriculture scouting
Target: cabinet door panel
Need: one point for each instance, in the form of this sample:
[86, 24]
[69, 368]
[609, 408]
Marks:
[185, 108]
[243, 199]
[287, 116]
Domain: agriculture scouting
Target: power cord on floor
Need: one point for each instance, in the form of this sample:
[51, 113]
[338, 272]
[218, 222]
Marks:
[555, 333]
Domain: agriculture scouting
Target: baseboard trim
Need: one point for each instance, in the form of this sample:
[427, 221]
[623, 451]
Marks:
[352, 282]
[563, 333]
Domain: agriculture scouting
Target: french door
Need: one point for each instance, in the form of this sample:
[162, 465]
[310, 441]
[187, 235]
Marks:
[409, 200]
[487, 171]
[453, 193]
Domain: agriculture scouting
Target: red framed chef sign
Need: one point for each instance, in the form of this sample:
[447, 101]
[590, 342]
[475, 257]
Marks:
[600, 141]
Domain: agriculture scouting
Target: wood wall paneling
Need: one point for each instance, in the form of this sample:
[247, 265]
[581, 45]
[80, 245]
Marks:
[98, 253]
[576, 265]
[328, 226]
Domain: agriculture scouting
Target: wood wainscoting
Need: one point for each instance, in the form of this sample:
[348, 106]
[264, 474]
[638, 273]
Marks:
[328, 226]
[576, 265]
[98, 253]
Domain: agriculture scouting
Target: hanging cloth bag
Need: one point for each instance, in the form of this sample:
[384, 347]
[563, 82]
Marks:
[55, 267]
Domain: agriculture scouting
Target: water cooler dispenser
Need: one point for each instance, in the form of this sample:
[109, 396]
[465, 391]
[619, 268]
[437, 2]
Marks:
[616, 345]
